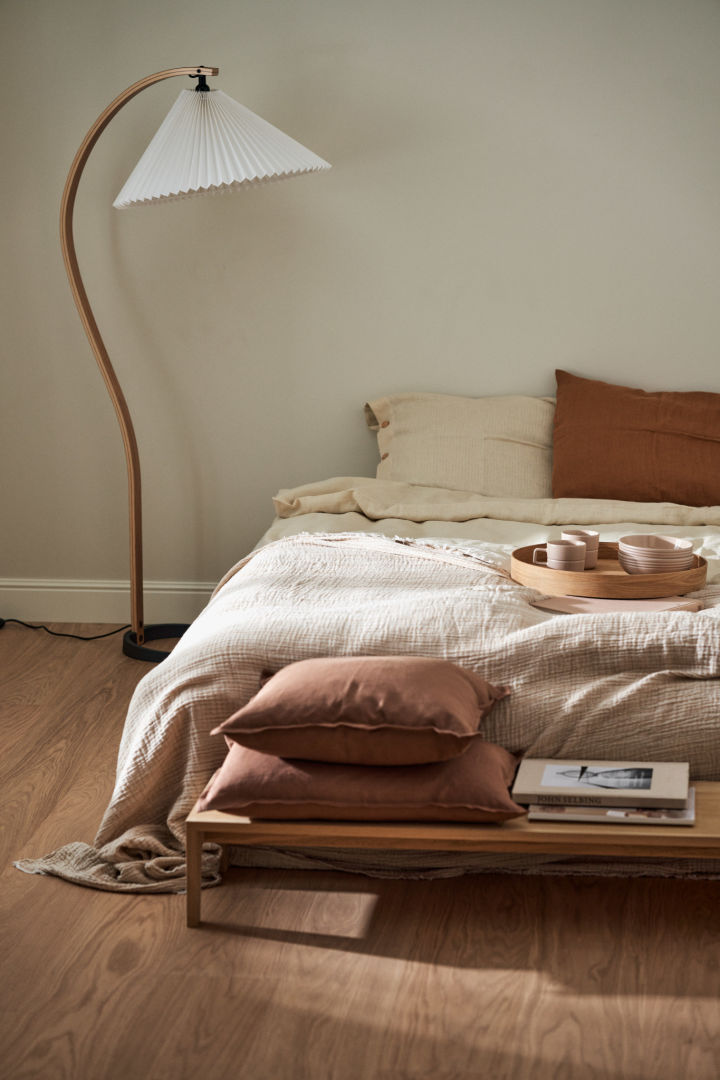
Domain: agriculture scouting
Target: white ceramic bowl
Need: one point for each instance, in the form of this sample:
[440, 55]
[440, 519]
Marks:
[657, 556]
[646, 553]
[683, 557]
[642, 568]
[649, 543]
[670, 556]
[640, 565]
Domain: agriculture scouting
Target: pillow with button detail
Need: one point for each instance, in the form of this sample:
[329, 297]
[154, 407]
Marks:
[366, 710]
[495, 446]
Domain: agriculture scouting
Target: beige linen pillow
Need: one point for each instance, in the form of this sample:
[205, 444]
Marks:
[366, 710]
[496, 446]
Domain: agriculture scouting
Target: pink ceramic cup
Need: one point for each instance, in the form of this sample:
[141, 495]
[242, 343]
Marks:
[561, 555]
[592, 543]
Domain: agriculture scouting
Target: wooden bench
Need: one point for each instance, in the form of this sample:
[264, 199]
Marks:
[699, 841]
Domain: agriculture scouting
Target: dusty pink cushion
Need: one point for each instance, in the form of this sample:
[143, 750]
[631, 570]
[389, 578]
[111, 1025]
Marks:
[366, 710]
[471, 787]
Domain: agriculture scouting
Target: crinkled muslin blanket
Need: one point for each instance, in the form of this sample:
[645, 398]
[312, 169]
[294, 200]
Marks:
[600, 686]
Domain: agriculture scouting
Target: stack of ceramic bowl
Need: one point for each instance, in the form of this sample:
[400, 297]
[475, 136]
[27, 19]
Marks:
[648, 554]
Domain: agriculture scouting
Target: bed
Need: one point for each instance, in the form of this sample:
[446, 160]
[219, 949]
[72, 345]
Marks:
[408, 563]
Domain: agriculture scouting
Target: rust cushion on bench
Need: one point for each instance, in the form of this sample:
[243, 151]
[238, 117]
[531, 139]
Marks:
[366, 710]
[471, 787]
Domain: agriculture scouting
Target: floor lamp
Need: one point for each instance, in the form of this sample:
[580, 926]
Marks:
[207, 142]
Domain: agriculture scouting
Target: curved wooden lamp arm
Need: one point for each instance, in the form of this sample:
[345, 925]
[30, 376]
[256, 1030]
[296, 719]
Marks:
[96, 341]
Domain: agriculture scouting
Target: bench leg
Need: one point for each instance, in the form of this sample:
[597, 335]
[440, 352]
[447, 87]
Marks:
[193, 872]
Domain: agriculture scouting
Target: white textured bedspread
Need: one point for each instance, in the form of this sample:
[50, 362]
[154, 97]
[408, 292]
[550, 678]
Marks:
[602, 686]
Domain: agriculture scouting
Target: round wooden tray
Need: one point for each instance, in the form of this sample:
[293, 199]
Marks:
[607, 580]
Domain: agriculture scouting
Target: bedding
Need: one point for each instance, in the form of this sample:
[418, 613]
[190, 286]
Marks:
[356, 566]
[486, 518]
[366, 710]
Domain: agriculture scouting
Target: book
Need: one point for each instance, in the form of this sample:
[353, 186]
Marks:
[602, 783]
[615, 815]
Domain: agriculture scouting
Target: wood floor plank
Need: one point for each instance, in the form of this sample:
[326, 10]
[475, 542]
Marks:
[302, 975]
[52, 751]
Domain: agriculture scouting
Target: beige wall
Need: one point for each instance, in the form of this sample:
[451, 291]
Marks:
[517, 185]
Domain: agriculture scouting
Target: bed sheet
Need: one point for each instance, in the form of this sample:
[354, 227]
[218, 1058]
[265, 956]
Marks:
[364, 504]
[476, 535]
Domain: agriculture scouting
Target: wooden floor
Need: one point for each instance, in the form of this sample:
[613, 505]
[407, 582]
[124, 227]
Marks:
[315, 975]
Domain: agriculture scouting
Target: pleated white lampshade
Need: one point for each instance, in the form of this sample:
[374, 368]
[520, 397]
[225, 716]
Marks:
[208, 141]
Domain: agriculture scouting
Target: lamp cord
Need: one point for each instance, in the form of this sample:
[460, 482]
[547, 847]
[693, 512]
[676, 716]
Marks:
[57, 633]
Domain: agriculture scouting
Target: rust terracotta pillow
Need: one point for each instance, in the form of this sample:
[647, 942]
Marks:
[472, 787]
[366, 710]
[616, 442]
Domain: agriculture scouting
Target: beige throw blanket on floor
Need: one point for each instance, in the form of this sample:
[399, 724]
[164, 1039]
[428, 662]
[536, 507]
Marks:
[600, 686]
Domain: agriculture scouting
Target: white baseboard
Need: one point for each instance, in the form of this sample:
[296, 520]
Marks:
[67, 600]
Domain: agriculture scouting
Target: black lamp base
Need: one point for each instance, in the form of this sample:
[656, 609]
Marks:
[132, 648]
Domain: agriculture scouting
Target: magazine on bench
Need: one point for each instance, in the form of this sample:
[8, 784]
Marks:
[615, 815]
[603, 783]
